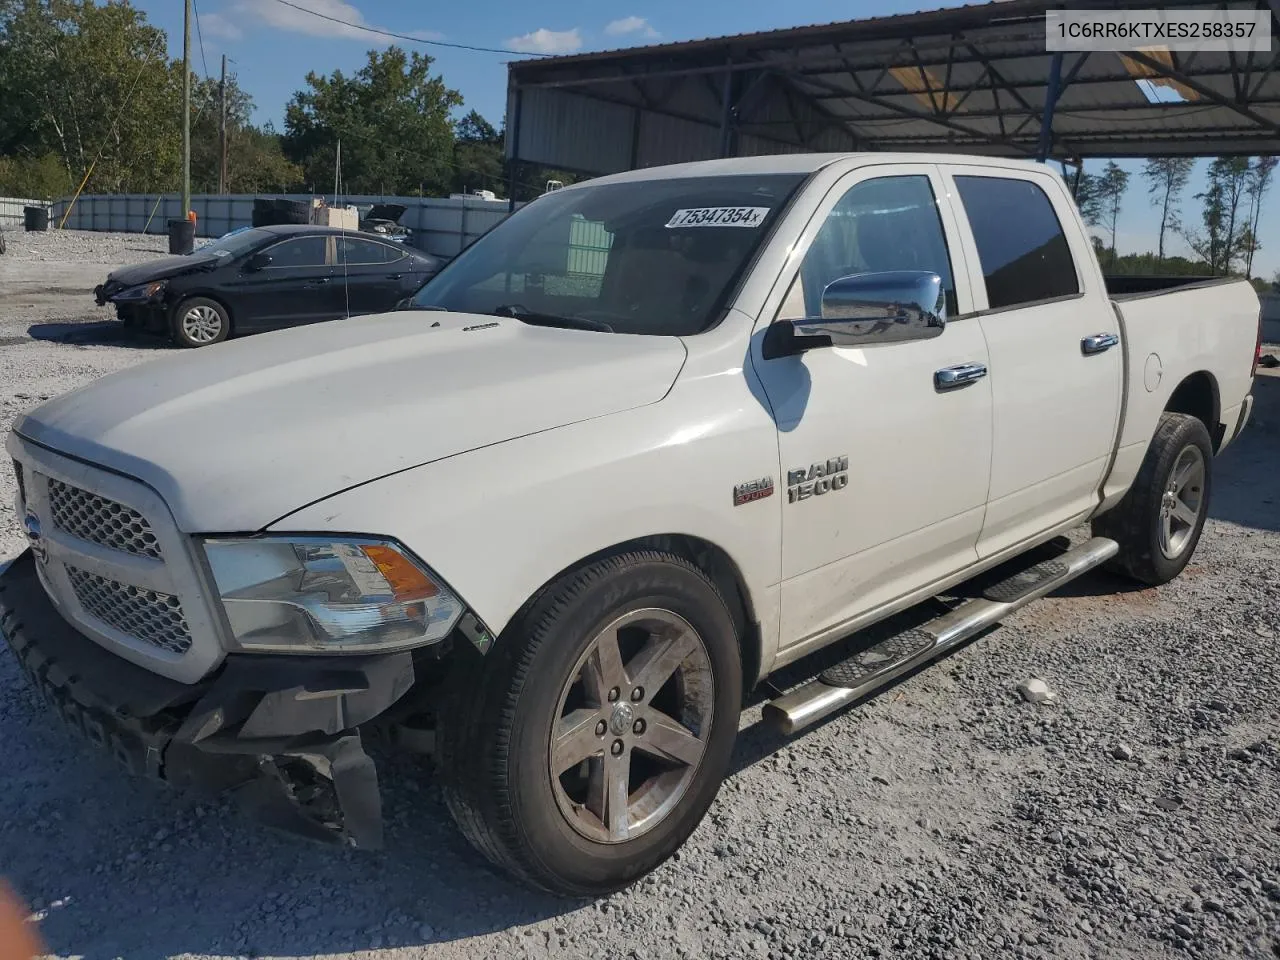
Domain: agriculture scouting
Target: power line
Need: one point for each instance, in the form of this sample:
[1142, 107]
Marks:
[411, 39]
[200, 37]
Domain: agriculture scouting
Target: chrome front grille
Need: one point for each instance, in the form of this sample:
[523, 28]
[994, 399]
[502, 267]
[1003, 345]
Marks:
[150, 616]
[116, 564]
[99, 520]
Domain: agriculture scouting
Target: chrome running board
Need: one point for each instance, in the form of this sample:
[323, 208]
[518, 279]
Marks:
[870, 669]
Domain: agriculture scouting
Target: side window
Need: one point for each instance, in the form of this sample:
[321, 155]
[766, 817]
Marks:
[889, 223]
[354, 251]
[302, 252]
[1021, 246]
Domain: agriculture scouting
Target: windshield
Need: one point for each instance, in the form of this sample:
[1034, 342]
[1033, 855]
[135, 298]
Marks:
[655, 257]
[235, 243]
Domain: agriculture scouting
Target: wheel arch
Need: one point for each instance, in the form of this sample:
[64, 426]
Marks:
[711, 559]
[1198, 396]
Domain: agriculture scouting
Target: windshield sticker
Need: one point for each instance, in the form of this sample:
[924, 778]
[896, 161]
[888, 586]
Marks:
[718, 217]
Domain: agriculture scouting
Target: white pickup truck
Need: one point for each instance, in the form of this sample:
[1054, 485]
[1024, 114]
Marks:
[654, 437]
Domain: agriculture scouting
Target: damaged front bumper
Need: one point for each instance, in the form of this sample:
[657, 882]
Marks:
[280, 734]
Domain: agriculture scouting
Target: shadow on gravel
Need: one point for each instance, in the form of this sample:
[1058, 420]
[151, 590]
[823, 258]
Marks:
[121, 867]
[105, 333]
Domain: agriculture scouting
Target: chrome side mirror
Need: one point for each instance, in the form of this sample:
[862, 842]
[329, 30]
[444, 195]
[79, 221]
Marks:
[893, 306]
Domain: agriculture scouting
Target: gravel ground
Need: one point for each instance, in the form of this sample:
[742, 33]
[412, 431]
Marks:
[1137, 814]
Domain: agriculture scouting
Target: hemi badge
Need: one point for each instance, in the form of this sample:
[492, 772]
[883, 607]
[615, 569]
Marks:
[752, 490]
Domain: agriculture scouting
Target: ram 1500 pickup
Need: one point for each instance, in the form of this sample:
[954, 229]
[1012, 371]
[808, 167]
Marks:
[652, 438]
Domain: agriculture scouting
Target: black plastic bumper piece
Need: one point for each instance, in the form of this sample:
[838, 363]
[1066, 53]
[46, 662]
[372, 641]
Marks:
[280, 734]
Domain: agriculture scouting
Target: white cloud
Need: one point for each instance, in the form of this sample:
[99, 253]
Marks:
[636, 25]
[547, 41]
[220, 27]
[314, 24]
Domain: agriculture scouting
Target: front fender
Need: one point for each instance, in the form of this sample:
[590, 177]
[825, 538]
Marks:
[499, 522]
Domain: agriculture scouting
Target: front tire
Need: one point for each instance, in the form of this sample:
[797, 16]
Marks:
[583, 750]
[199, 322]
[1159, 521]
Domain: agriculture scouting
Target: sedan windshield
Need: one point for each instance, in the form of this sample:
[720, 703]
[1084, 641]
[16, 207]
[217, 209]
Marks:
[657, 257]
[235, 243]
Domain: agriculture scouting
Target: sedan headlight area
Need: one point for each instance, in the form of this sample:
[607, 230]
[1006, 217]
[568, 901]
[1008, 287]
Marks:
[327, 595]
[145, 291]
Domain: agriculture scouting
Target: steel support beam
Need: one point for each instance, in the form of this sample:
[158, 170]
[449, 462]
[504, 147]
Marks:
[1050, 101]
[726, 112]
[917, 115]
[514, 160]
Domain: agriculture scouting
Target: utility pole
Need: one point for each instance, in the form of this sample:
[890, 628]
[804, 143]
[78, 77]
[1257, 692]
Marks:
[186, 110]
[222, 128]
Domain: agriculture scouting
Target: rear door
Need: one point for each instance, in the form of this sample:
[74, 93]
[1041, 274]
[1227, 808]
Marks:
[373, 274]
[296, 287]
[1056, 374]
[886, 475]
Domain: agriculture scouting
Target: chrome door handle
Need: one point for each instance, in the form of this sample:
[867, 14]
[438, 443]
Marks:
[1098, 343]
[962, 374]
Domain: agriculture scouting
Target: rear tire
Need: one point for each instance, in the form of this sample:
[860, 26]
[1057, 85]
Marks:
[529, 777]
[199, 322]
[1159, 521]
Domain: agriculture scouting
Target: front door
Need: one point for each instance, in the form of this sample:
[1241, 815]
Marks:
[295, 287]
[1056, 398]
[885, 475]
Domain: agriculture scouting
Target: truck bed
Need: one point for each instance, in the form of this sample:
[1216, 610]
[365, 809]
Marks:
[1129, 287]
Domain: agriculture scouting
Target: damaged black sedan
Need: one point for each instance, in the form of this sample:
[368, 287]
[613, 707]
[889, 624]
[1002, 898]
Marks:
[265, 278]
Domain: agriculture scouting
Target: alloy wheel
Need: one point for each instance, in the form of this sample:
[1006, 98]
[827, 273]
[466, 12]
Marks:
[631, 726]
[1182, 503]
[201, 324]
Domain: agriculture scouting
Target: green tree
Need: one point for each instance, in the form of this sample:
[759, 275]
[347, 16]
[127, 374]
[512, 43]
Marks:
[1089, 198]
[1260, 173]
[1166, 177]
[67, 70]
[255, 157]
[1111, 188]
[1099, 198]
[478, 156]
[1225, 226]
[392, 117]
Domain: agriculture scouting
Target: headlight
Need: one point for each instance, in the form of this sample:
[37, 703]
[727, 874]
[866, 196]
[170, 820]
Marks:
[142, 292]
[325, 595]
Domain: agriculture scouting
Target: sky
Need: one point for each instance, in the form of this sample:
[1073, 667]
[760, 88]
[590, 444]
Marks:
[272, 47]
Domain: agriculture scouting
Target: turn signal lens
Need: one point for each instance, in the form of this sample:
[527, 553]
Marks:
[407, 582]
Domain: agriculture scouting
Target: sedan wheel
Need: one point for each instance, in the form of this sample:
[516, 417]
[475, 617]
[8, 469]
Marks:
[199, 322]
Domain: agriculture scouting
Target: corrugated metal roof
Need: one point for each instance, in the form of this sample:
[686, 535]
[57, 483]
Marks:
[971, 77]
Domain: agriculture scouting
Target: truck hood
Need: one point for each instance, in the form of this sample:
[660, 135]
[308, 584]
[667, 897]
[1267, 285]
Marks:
[238, 435]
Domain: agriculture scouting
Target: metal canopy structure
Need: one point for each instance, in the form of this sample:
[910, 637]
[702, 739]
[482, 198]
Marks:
[971, 79]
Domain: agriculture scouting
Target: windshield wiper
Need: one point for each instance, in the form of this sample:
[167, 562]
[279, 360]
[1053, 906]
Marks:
[517, 312]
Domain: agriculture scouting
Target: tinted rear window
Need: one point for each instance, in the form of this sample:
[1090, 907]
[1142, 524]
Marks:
[1023, 251]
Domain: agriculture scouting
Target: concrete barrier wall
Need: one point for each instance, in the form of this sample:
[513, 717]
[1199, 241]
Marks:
[443, 226]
